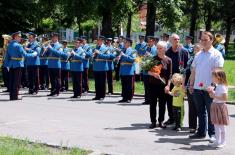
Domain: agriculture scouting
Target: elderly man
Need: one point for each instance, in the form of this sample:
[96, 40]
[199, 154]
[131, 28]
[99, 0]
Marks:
[179, 57]
[201, 77]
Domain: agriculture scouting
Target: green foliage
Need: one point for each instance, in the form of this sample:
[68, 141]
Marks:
[9, 146]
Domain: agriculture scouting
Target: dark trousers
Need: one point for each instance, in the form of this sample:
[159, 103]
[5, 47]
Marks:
[169, 100]
[65, 79]
[146, 89]
[33, 76]
[5, 76]
[85, 80]
[203, 105]
[110, 81]
[192, 111]
[14, 82]
[55, 78]
[44, 77]
[157, 94]
[128, 86]
[77, 83]
[100, 81]
[24, 77]
[117, 68]
[177, 113]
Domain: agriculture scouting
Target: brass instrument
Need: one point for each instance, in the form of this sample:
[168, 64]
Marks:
[81, 53]
[45, 46]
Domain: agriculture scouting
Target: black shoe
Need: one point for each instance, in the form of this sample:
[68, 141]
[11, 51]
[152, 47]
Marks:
[122, 101]
[145, 103]
[101, 99]
[162, 125]
[74, 96]
[169, 122]
[192, 130]
[128, 101]
[55, 95]
[152, 126]
[50, 94]
[4, 91]
[96, 98]
[197, 136]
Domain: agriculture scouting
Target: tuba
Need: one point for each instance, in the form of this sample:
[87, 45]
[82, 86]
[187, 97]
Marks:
[219, 38]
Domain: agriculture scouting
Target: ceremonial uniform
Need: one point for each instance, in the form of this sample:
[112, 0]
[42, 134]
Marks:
[100, 68]
[77, 69]
[85, 79]
[110, 68]
[15, 60]
[65, 67]
[127, 72]
[43, 70]
[152, 51]
[54, 67]
[33, 67]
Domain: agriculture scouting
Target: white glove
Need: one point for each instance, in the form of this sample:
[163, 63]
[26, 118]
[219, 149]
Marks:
[35, 54]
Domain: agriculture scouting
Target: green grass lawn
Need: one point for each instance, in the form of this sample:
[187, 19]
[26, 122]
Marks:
[10, 146]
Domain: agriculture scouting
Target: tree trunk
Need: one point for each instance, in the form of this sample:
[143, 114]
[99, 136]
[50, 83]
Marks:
[228, 32]
[194, 17]
[107, 23]
[118, 30]
[80, 31]
[209, 18]
[128, 27]
[94, 33]
[151, 14]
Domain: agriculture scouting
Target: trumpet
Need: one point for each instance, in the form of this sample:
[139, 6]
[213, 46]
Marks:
[45, 46]
[72, 53]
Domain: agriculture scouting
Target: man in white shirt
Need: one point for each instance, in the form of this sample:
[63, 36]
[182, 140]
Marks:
[201, 77]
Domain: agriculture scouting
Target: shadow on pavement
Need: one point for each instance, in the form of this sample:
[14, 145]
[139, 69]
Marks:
[232, 115]
[198, 148]
[137, 126]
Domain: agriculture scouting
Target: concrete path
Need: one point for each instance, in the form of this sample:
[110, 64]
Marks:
[104, 127]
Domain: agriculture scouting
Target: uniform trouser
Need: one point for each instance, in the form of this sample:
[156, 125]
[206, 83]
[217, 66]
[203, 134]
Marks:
[100, 81]
[5, 76]
[14, 82]
[55, 78]
[44, 76]
[169, 100]
[77, 82]
[128, 86]
[24, 77]
[65, 79]
[157, 94]
[33, 76]
[178, 116]
[146, 89]
[203, 105]
[85, 80]
[117, 68]
[192, 111]
[110, 81]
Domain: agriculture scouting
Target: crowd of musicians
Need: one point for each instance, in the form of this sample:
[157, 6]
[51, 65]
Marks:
[46, 60]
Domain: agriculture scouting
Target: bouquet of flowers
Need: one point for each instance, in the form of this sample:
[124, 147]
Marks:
[154, 66]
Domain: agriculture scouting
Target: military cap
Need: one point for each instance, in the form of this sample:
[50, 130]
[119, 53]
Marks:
[189, 37]
[101, 37]
[31, 33]
[129, 40]
[166, 34]
[141, 36]
[16, 33]
[64, 41]
[83, 37]
[151, 37]
[156, 38]
[54, 34]
[109, 39]
[79, 39]
[115, 38]
[121, 36]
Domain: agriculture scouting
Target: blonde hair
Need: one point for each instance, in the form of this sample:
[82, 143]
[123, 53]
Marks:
[177, 78]
[220, 75]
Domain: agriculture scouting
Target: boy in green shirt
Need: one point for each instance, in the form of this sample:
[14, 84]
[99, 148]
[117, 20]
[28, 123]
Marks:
[178, 100]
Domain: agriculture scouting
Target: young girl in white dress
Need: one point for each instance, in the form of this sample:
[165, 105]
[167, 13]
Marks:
[219, 111]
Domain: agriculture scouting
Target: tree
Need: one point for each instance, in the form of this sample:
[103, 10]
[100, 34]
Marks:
[151, 16]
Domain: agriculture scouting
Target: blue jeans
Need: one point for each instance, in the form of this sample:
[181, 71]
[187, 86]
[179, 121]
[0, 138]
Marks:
[203, 104]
